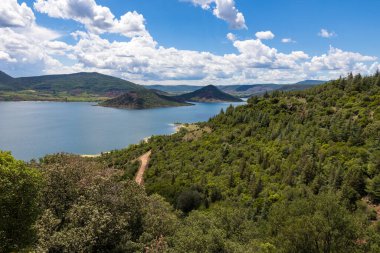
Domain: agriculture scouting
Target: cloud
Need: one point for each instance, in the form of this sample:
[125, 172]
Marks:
[225, 10]
[14, 15]
[338, 60]
[288, 40]
[142, 60]
[6, 57]
[326, 34]
[96, 18]
[21, 40]
[231, 36]
[265, 35]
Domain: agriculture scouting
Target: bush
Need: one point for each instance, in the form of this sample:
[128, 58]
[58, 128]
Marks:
[19, 191]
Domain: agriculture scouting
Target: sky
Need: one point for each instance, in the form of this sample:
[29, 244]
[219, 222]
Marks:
[197, 42]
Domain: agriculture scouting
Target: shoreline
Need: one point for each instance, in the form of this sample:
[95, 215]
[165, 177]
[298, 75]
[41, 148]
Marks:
[177, 128]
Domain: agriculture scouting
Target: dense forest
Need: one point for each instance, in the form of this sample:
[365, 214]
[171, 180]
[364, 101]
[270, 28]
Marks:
[288, 172]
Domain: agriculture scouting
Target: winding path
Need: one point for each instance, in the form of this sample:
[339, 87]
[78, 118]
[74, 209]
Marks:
[144, 160]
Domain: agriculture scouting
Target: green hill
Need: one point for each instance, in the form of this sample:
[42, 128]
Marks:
[6, 82]
[208, 93]
[142, 100]
[288, 172]
[79, 82]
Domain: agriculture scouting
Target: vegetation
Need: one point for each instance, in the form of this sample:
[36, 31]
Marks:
[288, 172]
[19, 193]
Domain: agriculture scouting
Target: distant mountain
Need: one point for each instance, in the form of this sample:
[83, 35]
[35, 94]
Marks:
[244, 90]
[208, 93]
[142, 100]
[6, 81]
[77, 83]
[298, 86]
[311, 82]
[5, 78]
[174, 89]
[248, 90]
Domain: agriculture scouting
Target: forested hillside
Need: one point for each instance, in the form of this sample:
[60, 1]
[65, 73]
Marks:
[288, 172]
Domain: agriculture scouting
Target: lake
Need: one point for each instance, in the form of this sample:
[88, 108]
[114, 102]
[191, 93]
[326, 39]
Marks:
[33, 129]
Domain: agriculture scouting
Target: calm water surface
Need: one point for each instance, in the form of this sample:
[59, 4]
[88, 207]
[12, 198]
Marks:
[34, 129]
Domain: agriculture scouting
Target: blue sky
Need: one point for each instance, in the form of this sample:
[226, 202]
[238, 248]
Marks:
[186, 42]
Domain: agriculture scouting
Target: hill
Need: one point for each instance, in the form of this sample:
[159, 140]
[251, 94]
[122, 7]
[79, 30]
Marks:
[295, 87]
[249, 90]
[311, 82]
[142, 100]
[265, 175]
[76, 83]
[208, 93]
[6, 82]
[174, 89]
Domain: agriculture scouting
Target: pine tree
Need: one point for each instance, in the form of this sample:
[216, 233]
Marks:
[377, 82]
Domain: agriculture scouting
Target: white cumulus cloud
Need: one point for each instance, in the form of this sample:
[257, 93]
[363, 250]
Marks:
[326, 34]
[225, 10]
[339, 60]
[96, 18]
[14, 15]
[21, 39]
[265, 35]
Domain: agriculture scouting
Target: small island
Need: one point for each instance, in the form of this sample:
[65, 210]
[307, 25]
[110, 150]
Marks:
[145, 99]
[209, 94]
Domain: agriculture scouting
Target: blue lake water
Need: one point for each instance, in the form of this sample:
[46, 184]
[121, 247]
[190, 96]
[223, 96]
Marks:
[34, 129]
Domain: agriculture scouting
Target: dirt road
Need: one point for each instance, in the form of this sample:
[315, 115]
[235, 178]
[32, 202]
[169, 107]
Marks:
[144, 160]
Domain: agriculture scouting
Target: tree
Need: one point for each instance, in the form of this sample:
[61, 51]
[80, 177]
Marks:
[314, 224]
[373, 189]
[89, 208]
[19, 192]
[378, 81]
[188, 200]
